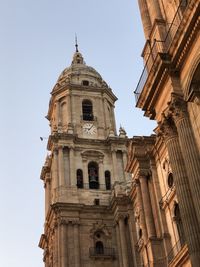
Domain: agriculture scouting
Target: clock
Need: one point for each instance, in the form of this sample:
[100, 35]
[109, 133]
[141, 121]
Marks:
[89, 128]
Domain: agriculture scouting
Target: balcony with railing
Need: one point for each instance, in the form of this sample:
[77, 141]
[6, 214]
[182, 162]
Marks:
[105, 252]
[167, 197]
[175, 251]
[160, 47]
[94, 186]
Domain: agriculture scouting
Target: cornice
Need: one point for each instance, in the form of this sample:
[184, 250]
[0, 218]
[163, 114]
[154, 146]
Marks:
[173, 60]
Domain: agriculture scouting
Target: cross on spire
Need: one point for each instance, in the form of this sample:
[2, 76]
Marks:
[76, 43]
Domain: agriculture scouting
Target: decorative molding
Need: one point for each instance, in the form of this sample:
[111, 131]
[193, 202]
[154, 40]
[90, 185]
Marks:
[178, 108]
[166, 128]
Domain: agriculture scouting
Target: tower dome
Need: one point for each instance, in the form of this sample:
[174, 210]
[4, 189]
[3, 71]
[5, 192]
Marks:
[80, 74]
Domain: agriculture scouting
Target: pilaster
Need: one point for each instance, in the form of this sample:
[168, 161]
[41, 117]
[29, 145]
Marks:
[61, 166]
[143, 177]
[114, 161]
[71, 166]
[124, 250]
[189, 149]
[189, 219]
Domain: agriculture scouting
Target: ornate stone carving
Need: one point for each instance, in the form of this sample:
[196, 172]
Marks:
[166, 128]
[100, 227]
[178, 108]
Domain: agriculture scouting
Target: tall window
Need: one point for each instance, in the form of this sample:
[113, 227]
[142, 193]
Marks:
[179, 224]
[170, 180]
[87, 110]
[93, 173]
[79, 178]
[99, 247]
[107, 180]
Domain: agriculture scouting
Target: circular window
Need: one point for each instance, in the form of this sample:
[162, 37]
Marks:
[170, 180]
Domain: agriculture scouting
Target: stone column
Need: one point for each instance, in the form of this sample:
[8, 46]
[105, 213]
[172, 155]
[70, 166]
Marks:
[104, 112]
[124, 155]
[76, 244]
[113, 120]
[146, 21]
[147, 205]
[47, 193]
[63, 243]
[54, 245]
[68, 108]
[57, 113]
[133, 238]
[187, 207]
[101, 174]
[114, 161]
[85, 172]
[119, 245]
[72, 167]
[141, 210]
[123, 242]
[188, 147]
[61, 166]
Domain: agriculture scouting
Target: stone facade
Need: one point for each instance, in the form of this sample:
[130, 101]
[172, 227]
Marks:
[87, 209]
[165, 167]
[95, 212]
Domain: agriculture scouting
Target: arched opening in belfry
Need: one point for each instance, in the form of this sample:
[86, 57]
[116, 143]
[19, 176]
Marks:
[93, 175]
[107, 180]
[79, 178]
[87, 110]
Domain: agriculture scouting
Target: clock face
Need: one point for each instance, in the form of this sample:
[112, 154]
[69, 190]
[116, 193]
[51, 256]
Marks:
[89, 128]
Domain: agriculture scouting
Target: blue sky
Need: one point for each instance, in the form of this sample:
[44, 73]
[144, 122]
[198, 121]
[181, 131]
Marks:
[37, 43]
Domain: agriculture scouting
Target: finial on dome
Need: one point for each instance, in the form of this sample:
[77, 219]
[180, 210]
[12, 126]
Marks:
[76, 43]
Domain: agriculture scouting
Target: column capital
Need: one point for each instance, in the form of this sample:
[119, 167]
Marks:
[55, 150]
[121, 216]
[178, 108]
[143, 174]
[62, 221]
[75, 222]
[166, 128]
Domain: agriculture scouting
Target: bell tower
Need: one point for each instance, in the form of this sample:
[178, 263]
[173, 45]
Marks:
[86, 162]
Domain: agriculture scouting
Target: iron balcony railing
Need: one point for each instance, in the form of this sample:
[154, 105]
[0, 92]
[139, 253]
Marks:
[96, 186]
[104, 252]
[166, 197]
[161, 46]
[175, 250]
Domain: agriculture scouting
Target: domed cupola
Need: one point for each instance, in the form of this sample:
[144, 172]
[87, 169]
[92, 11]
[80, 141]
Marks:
[79, 74]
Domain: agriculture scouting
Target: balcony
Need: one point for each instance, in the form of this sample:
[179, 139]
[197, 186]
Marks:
[94, 187]
[160, 47]
[102, 253]
[175, 251]
[167, 197]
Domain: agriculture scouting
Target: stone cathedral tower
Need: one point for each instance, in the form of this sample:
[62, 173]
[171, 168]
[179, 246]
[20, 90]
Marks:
[87, 214]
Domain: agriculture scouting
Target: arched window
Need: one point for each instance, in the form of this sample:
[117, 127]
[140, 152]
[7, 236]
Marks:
[140, 233]
[87, 110]
[79, 178]
[93, 174]
[177, 218]
[99, 247]
[170, 180]
[107, 180]
[194, 90]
